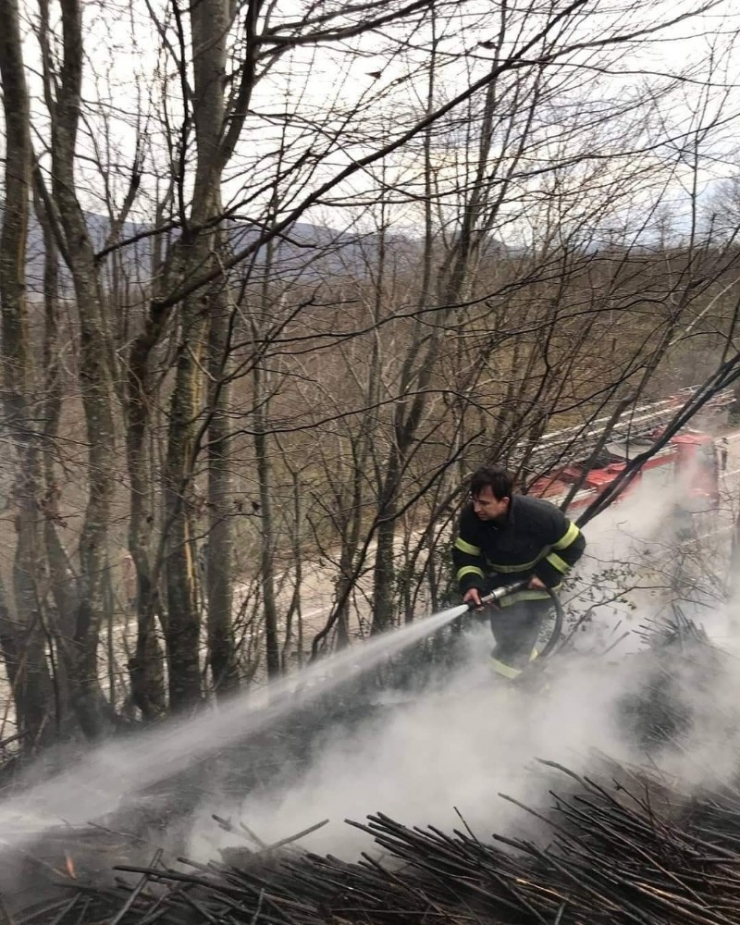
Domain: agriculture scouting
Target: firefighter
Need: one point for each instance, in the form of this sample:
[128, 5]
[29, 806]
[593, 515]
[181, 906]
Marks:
[505, 537]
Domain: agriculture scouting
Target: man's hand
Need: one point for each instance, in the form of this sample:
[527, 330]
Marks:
[536, 584]
[472, 597]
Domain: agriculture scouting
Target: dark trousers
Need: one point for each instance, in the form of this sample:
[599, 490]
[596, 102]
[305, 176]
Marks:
[515, 629]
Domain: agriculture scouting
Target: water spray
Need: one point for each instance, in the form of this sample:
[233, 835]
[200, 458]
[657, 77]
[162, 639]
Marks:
[118, 770]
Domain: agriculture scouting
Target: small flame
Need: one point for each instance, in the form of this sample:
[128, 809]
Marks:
[70, 865]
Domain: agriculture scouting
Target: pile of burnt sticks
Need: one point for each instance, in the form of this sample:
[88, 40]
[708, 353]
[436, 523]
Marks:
[619, 846]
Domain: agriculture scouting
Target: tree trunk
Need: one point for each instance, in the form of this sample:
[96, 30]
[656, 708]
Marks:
[25, 654]
[96, 359]
[219, 562]
[182, 628]
[210, 27]
[267, 547]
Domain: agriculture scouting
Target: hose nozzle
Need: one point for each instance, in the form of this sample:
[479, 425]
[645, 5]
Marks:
[498, 593]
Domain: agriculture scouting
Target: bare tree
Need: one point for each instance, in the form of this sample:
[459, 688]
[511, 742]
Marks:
[22, 629]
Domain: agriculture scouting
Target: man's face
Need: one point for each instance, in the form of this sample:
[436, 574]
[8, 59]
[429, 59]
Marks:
[487, 506]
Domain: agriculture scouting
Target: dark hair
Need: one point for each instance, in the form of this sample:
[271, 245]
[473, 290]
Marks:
[494, 477]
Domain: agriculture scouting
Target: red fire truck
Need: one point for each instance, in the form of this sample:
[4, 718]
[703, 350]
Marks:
[689, 461]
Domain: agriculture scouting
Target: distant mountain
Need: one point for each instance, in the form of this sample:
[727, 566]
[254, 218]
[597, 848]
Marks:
[306, 251]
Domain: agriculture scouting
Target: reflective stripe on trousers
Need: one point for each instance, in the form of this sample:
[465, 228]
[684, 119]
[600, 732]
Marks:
[506, 671]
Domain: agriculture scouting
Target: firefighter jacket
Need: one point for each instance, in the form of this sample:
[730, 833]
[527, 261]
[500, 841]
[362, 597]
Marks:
[536, 538]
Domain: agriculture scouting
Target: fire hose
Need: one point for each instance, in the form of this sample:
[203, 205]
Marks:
[499, 594]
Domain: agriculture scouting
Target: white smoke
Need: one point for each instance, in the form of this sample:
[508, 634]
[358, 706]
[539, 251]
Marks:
[446, 753]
